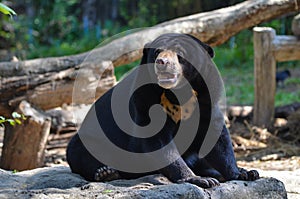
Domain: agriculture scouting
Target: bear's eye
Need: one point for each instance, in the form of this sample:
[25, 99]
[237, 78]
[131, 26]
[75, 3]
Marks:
[181, 59]
[156, 53]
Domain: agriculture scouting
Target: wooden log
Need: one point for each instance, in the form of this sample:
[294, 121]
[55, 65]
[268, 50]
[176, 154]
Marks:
[24, 145]
[53, 89]
[65, 136]
[41, 65]
[264, 73]
[239, 111]
[286, 48]
[296, 25]
[61, 120]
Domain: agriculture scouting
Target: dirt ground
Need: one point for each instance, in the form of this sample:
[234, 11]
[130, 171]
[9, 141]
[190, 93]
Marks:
[275, 148]
[261, 149]
[267, 155]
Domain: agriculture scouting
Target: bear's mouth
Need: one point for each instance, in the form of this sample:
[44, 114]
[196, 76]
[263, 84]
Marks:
[167, 80]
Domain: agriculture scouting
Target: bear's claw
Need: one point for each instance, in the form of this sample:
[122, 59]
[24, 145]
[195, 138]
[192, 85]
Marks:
[106, 173]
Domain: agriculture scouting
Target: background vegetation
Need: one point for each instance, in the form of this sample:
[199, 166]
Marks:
[59, 27]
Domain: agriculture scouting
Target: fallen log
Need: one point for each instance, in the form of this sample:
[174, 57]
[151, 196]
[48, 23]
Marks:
[24, 144]
[55, 88]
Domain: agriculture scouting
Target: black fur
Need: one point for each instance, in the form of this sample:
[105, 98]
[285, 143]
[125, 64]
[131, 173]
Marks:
[219, 163]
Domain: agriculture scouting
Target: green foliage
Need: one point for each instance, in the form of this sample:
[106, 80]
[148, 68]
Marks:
[283, 97]
[6, 28]
[282, 25]
[6, 10]
[57, 30]
[53, 31]
[295, 81]
[16, 119]
[144, 8]
[238, 85]
[54, 20]
[122, 70]
[62, 48]
[106, 191]
[234, 59]
[289, 92]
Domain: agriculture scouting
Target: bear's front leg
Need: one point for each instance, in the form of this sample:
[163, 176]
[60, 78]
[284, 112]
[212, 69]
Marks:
[179, 172]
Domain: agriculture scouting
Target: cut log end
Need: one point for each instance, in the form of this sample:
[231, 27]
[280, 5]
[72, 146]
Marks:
[24, 145]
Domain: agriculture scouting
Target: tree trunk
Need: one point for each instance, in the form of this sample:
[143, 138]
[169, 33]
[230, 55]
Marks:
[24, 145]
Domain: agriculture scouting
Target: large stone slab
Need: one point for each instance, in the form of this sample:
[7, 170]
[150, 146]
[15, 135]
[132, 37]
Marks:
[291, 180]
[59, 182]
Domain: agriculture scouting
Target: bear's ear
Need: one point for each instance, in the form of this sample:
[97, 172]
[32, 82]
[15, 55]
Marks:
[145, 54]
[209, 49]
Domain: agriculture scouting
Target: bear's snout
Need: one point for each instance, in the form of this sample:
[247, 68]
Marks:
[162, 63]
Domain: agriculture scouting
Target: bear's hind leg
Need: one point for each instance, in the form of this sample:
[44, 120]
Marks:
[222, 159]
[86, 165]
[201, 167]
[248, 175]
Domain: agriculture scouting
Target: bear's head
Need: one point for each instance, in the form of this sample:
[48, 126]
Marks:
[174, 58]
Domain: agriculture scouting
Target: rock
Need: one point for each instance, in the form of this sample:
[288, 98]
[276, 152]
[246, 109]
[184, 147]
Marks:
[59, 182]
[291, 180]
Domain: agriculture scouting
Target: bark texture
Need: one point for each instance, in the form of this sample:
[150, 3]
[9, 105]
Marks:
[24, 145]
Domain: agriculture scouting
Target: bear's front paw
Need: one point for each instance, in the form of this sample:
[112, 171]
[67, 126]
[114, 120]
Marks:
[105, 173]
[248, 175]
[201, 181]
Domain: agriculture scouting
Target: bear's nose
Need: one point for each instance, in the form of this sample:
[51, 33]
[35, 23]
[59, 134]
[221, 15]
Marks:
[162, 63]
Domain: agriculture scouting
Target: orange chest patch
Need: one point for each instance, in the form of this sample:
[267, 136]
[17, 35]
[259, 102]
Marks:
[179, 112]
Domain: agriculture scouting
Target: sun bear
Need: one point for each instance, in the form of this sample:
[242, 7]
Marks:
[164, 117]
